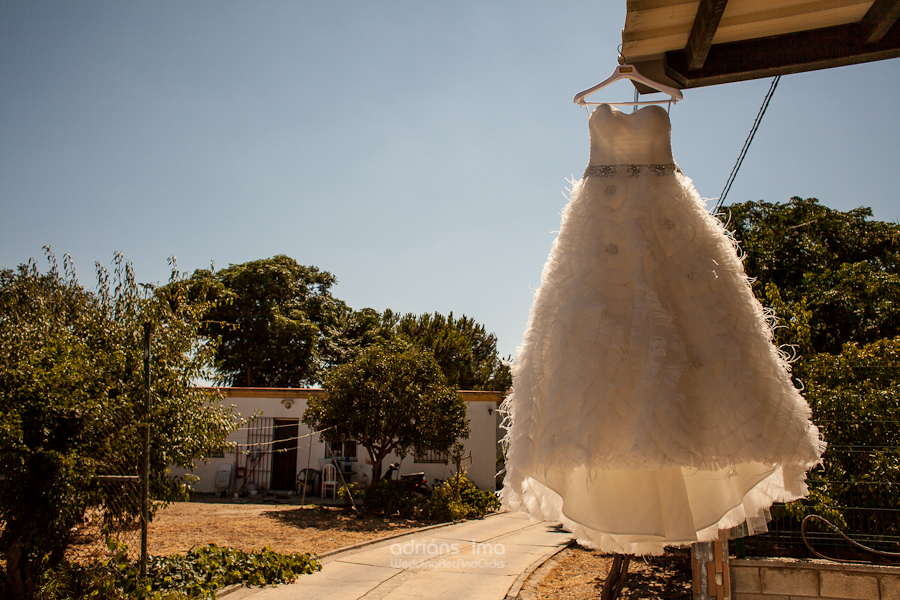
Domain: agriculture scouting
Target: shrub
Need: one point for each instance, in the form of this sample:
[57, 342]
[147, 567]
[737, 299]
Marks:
[394, 497]
[354, 490]
[458, 498]
[72, 404]
[454, 499]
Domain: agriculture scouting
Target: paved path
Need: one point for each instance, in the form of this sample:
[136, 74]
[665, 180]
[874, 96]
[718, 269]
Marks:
[486, 559]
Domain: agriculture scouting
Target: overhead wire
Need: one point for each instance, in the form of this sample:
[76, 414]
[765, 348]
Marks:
[747, 142]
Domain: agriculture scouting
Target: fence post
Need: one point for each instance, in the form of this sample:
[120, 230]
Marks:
[711, 573]
[145, 467]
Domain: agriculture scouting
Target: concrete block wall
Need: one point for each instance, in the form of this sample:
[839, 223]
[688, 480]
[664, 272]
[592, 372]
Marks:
[801, 579]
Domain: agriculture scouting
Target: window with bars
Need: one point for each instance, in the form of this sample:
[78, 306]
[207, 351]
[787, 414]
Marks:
[431, 456]
[341, 449]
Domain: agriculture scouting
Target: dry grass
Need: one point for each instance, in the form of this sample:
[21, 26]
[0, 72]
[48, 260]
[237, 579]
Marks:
[284, 527]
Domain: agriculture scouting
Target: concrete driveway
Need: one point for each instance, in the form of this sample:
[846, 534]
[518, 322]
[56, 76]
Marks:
[485, 559]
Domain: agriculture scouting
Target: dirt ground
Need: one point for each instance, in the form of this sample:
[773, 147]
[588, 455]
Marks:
[579, 574]
[284, 527]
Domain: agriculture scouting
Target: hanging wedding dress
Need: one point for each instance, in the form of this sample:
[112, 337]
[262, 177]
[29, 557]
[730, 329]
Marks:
[649, 405]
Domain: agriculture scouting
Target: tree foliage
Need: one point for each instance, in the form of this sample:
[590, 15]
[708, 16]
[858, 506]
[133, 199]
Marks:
[390, 397]
[832, 279]
[852, 302]
[272, 317]
[279, 326]
[855, 400]
[463, 348]
[845, 266]
[352, 331]
[71, 388]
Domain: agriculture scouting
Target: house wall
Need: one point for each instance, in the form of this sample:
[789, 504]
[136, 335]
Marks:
[481, 410]
[290, 403]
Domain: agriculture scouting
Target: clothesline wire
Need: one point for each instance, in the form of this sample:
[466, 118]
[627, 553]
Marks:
[747, 142]
[257, 444]
[264, 427]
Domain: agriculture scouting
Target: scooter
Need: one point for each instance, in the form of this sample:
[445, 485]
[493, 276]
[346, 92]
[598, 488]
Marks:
[416, 482]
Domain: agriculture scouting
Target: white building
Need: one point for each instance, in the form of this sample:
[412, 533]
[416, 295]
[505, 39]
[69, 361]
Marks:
[276, 445]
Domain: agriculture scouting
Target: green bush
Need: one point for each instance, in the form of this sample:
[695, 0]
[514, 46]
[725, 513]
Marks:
[354, 490]
[394, 497]
[458, 498]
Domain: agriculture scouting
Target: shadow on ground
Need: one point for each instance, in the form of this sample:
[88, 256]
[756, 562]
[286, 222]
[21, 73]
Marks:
[667, 576]
[331, 517]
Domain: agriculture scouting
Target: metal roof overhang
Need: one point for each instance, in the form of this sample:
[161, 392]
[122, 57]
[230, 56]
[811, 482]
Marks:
[694, 43]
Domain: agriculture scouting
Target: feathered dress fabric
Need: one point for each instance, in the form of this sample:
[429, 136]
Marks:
[649, 404]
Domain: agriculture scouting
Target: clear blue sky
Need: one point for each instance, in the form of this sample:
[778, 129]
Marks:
[417, 150]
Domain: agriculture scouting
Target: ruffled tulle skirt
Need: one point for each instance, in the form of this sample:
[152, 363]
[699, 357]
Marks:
[649, 405]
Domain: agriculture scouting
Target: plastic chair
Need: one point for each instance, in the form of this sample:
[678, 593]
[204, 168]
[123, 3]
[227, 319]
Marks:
[329, 480]
[306, 481]
[224, 479]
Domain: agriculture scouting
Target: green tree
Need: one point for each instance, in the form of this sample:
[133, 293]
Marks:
[852, 302]
[390, 397]
[71, 388]
[783, 242]
[832, 280]
[844, 266]
[271, 317]
[355, 330]
[463, 348]
[466, 353]
[855, 400]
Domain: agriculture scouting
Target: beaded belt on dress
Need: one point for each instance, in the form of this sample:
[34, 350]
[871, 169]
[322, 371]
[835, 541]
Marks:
[631, 170]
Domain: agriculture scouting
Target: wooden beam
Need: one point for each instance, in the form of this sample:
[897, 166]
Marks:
[709, 13]
[782, 55]
[879, 20]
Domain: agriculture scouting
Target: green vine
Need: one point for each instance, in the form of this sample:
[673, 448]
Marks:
[198, 574]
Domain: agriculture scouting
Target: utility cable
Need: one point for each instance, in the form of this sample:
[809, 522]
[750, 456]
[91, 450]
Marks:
[749, 140]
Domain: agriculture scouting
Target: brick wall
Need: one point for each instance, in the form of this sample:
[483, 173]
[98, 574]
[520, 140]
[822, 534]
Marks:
[795, 579]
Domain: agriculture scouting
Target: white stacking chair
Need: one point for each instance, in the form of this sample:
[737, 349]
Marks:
[329, 480]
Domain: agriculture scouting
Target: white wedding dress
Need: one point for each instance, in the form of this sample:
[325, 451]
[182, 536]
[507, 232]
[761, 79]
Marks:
[649, 405]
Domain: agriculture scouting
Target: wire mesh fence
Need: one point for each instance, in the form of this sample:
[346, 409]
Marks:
[857, 490]
[115, 515]
[867, 520]
[113, 499]
[116, 498]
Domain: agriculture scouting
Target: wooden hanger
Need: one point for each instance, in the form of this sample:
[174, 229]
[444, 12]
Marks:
[629, 72]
